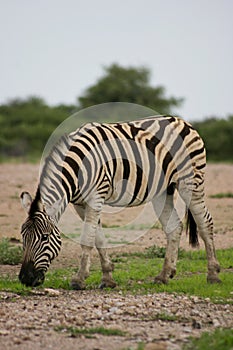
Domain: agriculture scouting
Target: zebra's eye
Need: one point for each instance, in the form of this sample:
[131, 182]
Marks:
[45, 237]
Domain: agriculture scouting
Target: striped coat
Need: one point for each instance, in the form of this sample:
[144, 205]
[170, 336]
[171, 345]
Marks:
[126, 164]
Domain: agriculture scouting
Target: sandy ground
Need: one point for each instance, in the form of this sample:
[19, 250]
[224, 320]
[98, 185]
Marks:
[131, 223]
[41, 313]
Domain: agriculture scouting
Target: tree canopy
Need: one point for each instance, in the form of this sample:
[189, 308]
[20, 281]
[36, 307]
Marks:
[218, 137]
[26, 124]
[130, 84]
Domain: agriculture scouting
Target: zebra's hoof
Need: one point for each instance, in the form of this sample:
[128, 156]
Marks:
[107, 284]
[213, 279]
[160, 280]
[77, 285]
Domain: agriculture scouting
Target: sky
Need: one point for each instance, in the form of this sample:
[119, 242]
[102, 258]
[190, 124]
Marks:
[55, 49]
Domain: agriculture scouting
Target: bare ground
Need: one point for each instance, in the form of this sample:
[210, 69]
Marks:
[30, 322]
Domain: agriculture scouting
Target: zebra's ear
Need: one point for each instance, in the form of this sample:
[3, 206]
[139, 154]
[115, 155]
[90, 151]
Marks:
[26, 200]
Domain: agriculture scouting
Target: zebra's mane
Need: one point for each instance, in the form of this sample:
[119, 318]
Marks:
[56, 156]
[52, 165]
[60, 150]
[51, 170]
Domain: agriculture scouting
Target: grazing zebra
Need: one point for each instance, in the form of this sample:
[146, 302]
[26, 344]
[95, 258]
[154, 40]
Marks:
[120, 164]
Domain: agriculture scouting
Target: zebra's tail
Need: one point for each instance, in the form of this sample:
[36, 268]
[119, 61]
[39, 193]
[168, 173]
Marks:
[191, 230]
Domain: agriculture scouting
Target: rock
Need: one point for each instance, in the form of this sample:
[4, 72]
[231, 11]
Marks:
[113, 309]
[52, 292]
[216, 322]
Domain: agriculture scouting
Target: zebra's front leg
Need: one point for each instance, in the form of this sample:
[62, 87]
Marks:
[91, 218]
[106, 264]
[78, 282]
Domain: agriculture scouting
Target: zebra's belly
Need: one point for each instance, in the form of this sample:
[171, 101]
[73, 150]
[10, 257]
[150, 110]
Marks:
[125, 194]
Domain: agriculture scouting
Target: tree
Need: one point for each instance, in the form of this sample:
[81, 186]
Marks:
[130, 84]
[218, 137]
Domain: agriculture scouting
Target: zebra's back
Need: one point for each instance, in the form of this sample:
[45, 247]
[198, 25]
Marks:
[132, 162]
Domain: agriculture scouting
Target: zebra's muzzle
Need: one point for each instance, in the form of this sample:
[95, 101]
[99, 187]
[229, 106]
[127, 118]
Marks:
[30, 276]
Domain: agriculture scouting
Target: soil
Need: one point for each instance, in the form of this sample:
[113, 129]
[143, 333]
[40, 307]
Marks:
[29, 322]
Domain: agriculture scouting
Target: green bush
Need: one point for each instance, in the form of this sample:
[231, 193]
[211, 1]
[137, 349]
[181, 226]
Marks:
[26, 125]
[218, 137]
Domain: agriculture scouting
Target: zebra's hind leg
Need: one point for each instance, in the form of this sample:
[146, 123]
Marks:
[172, 227]
[195, 201]
[106, 264]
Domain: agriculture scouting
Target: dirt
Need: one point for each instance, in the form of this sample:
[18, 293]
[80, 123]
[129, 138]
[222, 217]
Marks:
[30, 322]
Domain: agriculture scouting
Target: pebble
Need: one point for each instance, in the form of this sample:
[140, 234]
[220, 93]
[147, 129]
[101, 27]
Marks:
[39, 314]
[113, 309]
[52, 292]
[187, 330]
[216, 322]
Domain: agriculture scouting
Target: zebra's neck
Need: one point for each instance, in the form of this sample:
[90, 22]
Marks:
[54, 192]
[54, 207]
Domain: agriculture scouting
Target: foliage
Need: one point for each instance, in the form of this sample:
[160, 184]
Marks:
[218, 137]
[130, 84]
[10, 255]
[26, 124]
[220, 339]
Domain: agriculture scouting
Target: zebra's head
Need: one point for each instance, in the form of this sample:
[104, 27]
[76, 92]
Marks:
[41, 242]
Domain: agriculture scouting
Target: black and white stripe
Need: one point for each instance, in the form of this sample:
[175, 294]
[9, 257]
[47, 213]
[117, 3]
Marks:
[149, 155]
[129, 164]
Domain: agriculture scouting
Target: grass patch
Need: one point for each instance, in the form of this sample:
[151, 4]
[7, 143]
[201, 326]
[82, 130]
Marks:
[59, 278]
[120, 242]
[163, 317]
[13, 285]
[134, 273]
[104, 225]
[132, 227]
[87, 332]
[222, 195]
[220, 339]
[159, 252]
[10, 254]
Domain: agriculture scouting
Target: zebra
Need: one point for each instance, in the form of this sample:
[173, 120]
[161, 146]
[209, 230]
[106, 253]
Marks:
[121, 164]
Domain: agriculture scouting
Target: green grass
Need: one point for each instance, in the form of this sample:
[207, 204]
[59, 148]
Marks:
[220, 339]
[222, 195]
[134, 273]
[13, 285]
[87, 332]
[10, 254]
[132, 226]
[164, 316]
